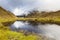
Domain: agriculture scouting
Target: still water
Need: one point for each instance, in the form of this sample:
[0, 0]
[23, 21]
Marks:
[48, 30]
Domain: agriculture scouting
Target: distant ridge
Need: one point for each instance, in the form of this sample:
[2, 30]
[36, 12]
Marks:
[35, 14]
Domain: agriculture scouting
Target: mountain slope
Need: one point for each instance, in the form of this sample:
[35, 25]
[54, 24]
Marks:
[43, 14]
[6, 15]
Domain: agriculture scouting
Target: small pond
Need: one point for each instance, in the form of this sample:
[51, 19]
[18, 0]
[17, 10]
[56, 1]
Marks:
[48, 30]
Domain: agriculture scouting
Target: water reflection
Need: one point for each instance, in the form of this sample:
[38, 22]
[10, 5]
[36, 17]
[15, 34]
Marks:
[18, 25]
[48, 30]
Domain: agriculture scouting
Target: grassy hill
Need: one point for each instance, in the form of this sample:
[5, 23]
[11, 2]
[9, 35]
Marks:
[6, 16]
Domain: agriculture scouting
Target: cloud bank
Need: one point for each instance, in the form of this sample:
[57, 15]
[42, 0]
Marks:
[25, 5]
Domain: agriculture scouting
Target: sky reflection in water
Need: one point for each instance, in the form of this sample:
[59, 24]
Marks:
[49, 30]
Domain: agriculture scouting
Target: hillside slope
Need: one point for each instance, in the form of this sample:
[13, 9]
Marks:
[6, 15]
[36, 14]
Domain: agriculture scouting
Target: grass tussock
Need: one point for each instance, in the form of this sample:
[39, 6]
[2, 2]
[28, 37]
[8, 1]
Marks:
[9, 35]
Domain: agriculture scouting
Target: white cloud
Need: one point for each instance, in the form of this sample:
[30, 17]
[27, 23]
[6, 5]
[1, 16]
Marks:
[18, 11]
[18, 24]
[50, 5]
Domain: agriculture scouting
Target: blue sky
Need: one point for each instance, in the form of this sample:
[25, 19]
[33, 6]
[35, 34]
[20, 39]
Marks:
[18, 7]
